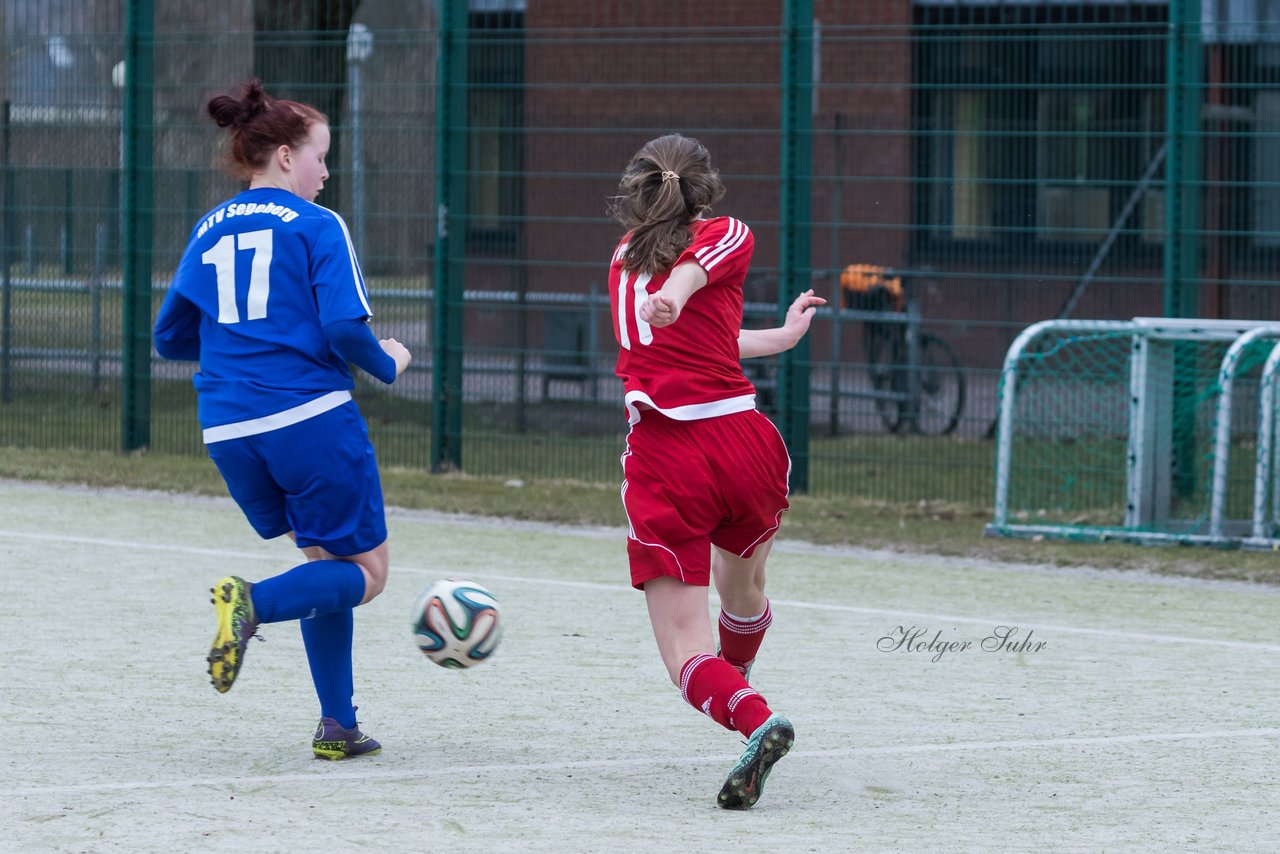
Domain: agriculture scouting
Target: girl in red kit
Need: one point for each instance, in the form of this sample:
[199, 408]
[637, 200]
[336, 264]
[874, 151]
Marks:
[705, 473]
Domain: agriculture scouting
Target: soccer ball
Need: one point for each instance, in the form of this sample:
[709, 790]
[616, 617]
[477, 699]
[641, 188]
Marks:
[456, 623]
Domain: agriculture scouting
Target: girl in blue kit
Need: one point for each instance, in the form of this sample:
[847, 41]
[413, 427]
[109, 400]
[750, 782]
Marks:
[270, 300]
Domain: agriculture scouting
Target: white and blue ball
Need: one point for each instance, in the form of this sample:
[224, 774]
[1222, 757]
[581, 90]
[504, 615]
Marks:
[456, 623]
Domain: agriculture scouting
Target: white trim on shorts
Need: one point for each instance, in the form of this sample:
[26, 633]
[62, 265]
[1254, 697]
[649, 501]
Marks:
[692, 411]
[267, 423]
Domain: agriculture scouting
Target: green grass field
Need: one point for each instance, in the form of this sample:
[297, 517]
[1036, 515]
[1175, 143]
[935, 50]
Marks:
[921, 527]
[65, 411]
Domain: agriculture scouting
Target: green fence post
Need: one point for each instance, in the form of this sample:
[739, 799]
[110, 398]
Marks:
[137, 204]
[6, 230]
[1182, 219]
[794, 275]
[450, 248]
[1182, 167]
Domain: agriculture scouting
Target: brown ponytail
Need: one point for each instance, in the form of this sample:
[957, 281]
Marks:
[667, 185]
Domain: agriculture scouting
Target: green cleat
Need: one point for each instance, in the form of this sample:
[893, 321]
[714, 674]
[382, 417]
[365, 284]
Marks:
[236, 624]
[769, 743]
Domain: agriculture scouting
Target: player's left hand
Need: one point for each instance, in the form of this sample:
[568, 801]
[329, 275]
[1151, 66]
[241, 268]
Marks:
[800, 313]
[398, 352]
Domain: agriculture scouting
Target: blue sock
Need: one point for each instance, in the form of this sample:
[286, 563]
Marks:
[328, 643]
[314, 589]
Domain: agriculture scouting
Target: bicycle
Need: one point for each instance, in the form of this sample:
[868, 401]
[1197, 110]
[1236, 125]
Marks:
[919, 386]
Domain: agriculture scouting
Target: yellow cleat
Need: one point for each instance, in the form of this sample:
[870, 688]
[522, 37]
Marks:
[236, 624]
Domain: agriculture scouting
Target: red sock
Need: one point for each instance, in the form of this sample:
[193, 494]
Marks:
[740, 639]
[712, 686]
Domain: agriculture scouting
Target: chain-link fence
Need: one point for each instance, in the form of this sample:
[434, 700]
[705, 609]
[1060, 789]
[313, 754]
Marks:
[981, 165]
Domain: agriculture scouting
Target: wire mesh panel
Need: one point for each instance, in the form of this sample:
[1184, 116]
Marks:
[1068, 427]
[1238, 425]
[1003, 163]
[1130, 430]
[1266, 494]
[59, 153]
[589, 88]
[63, 127]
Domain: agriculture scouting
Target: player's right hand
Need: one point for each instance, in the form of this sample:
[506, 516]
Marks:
[397, 351]
[659, 310]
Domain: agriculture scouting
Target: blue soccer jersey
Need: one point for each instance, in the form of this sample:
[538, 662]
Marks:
[262, 275]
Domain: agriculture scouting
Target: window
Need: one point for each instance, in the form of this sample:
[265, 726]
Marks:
[1266, 171]
[495, 107]
[1036, 124]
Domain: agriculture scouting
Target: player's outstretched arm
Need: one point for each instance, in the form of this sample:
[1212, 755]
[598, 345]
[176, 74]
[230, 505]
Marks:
[663, 308]
[766, 342]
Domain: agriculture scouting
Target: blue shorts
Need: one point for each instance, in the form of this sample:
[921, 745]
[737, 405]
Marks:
[317, 478]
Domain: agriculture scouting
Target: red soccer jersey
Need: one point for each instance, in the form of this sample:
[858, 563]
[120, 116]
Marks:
[690, 369]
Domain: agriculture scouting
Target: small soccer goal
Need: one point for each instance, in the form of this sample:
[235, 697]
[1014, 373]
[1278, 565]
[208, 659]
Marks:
[1144, 430]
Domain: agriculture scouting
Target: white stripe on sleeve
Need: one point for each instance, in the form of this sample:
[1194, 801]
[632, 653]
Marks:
[357, 277]
[710, 256]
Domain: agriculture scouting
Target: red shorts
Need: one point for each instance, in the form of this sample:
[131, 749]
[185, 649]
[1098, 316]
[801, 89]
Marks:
[690, 484]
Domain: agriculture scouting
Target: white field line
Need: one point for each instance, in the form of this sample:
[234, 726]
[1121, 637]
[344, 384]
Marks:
[371, 774]
[914, 616]
[785, 546]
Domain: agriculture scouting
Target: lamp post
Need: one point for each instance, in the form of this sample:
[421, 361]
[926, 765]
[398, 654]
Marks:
[359, 48]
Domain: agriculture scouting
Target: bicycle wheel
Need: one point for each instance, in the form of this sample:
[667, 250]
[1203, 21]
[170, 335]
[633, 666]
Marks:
[763, 375]
[885, 353]
[941, 388]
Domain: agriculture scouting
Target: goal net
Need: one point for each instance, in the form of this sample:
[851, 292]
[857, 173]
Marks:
[1141, 430]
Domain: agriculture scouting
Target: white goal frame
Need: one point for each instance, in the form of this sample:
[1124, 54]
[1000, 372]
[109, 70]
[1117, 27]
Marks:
[1148, 474]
